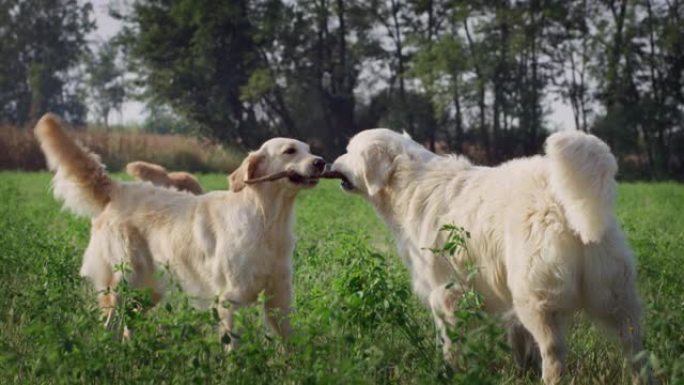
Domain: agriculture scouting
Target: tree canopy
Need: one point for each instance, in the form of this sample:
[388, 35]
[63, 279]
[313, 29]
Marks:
[42, 43]
[479, 77]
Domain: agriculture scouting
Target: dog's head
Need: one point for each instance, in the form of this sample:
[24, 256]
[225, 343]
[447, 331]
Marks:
[278, 155]
[372, 157]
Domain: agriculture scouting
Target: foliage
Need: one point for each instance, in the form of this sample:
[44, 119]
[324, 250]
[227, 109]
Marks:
[106, 86]
[42, 43]
[162, 120]
[194, 57]
[452, 73]
[355, 318]
[476, 77]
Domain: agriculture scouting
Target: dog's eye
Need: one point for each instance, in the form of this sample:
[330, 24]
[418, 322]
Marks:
[290, 151]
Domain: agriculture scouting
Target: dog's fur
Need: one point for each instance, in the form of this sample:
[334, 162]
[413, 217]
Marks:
[544, 235]
[159, 176]
[228, 245]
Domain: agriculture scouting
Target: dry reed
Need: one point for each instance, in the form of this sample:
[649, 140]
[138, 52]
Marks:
[19, 150]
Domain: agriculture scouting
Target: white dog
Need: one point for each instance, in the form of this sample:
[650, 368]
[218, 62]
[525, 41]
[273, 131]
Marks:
[228, 245]
[544, 235]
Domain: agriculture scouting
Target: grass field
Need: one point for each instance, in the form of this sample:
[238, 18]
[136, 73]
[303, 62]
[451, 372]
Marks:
[355, 317]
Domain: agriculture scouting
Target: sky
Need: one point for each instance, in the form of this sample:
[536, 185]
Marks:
[560, 117]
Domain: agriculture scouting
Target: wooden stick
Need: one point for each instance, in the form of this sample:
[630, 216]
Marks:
[284, 174]
[272, 177]
[332, 175]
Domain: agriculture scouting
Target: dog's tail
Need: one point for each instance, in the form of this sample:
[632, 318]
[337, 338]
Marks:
[148, 172]
[582, 177]
[80, 179]
[185, 181]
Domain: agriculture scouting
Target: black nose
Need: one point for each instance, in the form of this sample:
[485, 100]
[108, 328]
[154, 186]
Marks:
[319, 164]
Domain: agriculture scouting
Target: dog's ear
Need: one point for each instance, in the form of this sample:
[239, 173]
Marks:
[249, 169]
[378, 168]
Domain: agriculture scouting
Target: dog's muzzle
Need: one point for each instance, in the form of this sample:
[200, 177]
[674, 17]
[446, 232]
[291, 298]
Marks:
[303, 180]
[291, 175]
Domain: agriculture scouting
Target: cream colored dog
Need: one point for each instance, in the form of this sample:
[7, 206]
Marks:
[544, 235]
[229, 246]
[159, 176]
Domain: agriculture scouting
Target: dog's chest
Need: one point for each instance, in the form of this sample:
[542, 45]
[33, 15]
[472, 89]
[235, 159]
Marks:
[246, 270]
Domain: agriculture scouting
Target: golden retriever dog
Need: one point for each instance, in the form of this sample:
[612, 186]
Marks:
[222, 247]
[159, 176]
[543, 236]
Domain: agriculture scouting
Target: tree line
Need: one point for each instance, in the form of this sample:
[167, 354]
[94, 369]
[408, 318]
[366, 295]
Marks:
[477, 77]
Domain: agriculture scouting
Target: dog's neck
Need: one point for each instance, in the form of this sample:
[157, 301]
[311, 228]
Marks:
[409, 190]
[275, 204]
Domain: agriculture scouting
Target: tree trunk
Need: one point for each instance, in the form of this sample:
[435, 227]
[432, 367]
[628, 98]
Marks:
[459, 122]
[657, 95]
[399, 55]
[615, 52]
[484, 135]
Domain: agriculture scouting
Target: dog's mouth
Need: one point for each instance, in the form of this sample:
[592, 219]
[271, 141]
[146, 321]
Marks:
[344, 181]
[302, 180]
[291, 175]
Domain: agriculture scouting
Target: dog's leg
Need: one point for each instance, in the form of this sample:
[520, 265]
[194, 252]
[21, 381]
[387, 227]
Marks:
[626, 325]
[621, 315]
[443, 301]
[105, 284]
[225, 314]
[278, 305]
[524, 349]
[107, 302]
[611, 298]
[547, 328]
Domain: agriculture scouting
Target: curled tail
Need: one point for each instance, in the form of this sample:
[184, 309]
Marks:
[80, 179]
[582, 177]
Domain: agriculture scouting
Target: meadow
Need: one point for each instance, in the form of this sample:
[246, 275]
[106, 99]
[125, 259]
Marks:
[355, 317]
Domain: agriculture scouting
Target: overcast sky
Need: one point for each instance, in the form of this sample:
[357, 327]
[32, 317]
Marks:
[560, 118]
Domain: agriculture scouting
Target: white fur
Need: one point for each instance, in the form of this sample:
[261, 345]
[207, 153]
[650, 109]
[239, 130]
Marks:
[543, 234]
[69, 190]
[583, 178]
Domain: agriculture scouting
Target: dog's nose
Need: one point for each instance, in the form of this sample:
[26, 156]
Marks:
[319, 164]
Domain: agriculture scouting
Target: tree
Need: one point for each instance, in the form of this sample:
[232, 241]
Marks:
[195, 57]
[571, 50]
[105, 80]
[640, 81]
[476, 75]
[340, 42]
[42, 44]
[161, 120]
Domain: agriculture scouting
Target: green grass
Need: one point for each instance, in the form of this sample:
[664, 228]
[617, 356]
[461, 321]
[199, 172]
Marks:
[355, 317]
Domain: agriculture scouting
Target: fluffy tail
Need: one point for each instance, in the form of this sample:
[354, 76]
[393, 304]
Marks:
[159, 176]
[80, 179]
[582, 177]
[149, 172]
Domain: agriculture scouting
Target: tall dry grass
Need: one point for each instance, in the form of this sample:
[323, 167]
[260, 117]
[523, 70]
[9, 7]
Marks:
[19, 150]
